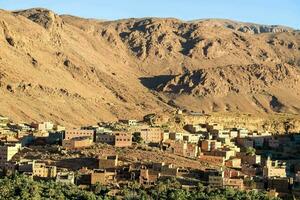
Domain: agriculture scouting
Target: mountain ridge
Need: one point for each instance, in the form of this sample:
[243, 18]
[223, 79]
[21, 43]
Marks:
[79, 71]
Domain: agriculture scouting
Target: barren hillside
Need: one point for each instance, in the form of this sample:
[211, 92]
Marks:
[78, 71]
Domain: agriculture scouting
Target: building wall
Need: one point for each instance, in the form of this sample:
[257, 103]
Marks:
[108, 162]
[44, 171]
[77, 143]
[75, 133]
[105, 138]
[65, 177]
[212, 159]
[7, 152]
[151, 135]
[102, 176]
[234, 183]
[123, 139]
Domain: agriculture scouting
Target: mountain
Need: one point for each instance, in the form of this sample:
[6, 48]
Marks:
[76, 71]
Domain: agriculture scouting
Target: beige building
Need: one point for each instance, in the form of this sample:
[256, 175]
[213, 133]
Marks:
[3, 121]
[123, 139]
[191, 138]
[38, 169]
[77, 143]
[44, 126]
[76, 133]
[274, 169]
[210, 145]
[151, 134]
[7, 152]
[65, 177]
[234, 163]
[176, 136]
[233, 183]
[108, 138]
[108, 162]
[102, 176]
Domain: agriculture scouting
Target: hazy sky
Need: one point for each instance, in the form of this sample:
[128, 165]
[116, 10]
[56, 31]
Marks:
[284, 12]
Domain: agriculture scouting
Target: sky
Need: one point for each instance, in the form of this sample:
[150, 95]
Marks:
[275, 12]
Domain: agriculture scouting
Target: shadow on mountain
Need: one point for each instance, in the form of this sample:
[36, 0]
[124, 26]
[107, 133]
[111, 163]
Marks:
[154, 81]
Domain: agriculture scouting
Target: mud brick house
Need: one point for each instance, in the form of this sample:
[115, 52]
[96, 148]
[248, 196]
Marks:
[108, 162]
[76, 133]
[77, 143]
[123, 139]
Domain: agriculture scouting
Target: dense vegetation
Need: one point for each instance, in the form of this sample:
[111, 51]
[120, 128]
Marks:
[21, 187]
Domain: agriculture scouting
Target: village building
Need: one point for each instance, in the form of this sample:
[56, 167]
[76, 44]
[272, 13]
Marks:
[77, 143]
[233, 163]
[231, 173]
[236, 183]
[65, 177]
[108, 162]
[214, 128]
[108, 138]
[242, 133]
[102, 176]
[76, 133]
[129, 122]
[176, 136]
[210, 145]
[251, 170]
[37, 169]
[44, 126]
[191, 138]
[165, 136]
[118, 139]
[148, 177]
[215, 178]
[8, 151]
[123, 139]
[233, 133]
[151, 134]
[250, 159]
[182, 148]
[3, 121]
[274, 168]
[217, 160]
[225, 153]
[199, 128]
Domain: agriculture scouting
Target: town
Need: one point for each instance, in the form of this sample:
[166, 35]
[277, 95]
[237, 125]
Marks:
[117, 153]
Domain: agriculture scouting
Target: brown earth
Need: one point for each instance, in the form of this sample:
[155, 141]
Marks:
[79, 71]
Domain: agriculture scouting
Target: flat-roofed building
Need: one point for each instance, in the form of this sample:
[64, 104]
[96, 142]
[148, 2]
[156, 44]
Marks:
[3, 121]
[210, 145]
[108, 162]
[38, 169]
[102, 176]
[77, 143]
[108, 138]
[191, 138]
[175, 136]
[123, 139]
[43, 126]
[8, 151]
[151, 134]
[76, 133]
[274, 168]
[65, 177]
[236, 183]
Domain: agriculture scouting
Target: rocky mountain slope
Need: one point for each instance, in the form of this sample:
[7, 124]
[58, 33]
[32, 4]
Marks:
[78, 71]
